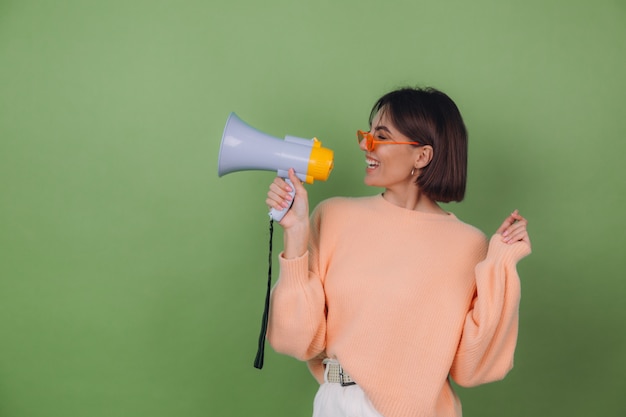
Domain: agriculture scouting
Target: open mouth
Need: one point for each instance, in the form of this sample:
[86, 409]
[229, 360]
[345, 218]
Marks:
[371, 163]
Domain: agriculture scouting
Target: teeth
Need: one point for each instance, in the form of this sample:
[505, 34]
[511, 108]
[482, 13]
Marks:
[371, 163]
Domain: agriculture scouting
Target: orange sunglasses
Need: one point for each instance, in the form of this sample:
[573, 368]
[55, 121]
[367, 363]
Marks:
[370, 142]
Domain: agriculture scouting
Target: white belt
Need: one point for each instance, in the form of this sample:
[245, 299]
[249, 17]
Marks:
[335, 374]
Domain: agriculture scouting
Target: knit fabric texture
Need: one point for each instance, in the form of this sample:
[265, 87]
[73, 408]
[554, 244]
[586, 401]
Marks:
[404, 300]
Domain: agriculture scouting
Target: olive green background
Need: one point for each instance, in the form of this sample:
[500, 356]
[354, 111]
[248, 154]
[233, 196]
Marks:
[132, 277]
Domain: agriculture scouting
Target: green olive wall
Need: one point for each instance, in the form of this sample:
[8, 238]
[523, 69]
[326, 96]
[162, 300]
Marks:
[132, 277]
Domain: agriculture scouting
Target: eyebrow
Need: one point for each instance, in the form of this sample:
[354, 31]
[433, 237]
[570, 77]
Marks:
[377, 128]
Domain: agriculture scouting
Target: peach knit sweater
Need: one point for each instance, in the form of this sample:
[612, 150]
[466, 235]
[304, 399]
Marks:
[403, 299]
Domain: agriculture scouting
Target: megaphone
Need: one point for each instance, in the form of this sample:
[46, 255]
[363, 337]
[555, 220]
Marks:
[245, 148]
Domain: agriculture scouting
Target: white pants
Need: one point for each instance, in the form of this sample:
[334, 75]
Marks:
[333, 400]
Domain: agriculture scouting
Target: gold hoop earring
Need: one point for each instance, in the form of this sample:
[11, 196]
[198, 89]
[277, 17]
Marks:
[413, 172]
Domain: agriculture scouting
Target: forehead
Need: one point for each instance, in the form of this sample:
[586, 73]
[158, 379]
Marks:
[382, 120]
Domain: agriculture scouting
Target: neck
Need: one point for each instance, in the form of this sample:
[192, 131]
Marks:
[416, 200]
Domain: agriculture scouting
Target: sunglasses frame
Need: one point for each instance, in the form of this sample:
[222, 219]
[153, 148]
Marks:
[370, 142]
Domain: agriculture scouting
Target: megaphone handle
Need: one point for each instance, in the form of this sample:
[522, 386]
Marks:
[279, 214]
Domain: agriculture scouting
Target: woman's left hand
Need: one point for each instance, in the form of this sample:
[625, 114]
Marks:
[513, 229]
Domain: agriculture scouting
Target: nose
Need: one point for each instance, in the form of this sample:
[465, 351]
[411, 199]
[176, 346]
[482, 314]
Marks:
[362, 145]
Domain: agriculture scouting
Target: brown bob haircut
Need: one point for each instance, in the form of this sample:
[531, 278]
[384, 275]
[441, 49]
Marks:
[430, 117]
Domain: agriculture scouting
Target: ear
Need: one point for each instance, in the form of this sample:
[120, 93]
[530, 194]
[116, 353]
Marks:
[424, 156]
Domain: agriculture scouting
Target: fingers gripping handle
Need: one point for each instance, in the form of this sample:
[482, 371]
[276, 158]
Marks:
[279, 214]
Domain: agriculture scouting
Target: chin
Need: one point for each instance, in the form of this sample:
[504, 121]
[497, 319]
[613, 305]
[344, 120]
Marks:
[371, 182]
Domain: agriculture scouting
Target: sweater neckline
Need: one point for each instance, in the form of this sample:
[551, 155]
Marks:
[412, 213]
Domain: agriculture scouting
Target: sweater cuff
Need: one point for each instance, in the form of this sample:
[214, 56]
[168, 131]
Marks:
[294, 269]
[507, 252]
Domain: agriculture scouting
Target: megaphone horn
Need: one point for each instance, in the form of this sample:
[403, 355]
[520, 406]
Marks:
[245, 148]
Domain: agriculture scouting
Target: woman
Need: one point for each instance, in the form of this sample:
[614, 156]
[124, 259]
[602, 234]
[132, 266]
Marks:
[390, 294]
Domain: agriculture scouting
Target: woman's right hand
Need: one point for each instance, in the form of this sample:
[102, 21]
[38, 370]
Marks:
[278, 198]
[296, 221]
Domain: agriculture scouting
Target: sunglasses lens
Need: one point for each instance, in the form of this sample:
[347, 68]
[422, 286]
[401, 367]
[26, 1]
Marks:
[369, 139]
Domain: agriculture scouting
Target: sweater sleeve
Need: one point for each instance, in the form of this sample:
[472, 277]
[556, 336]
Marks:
[297, 320]
[486, 349]
[297, 324]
